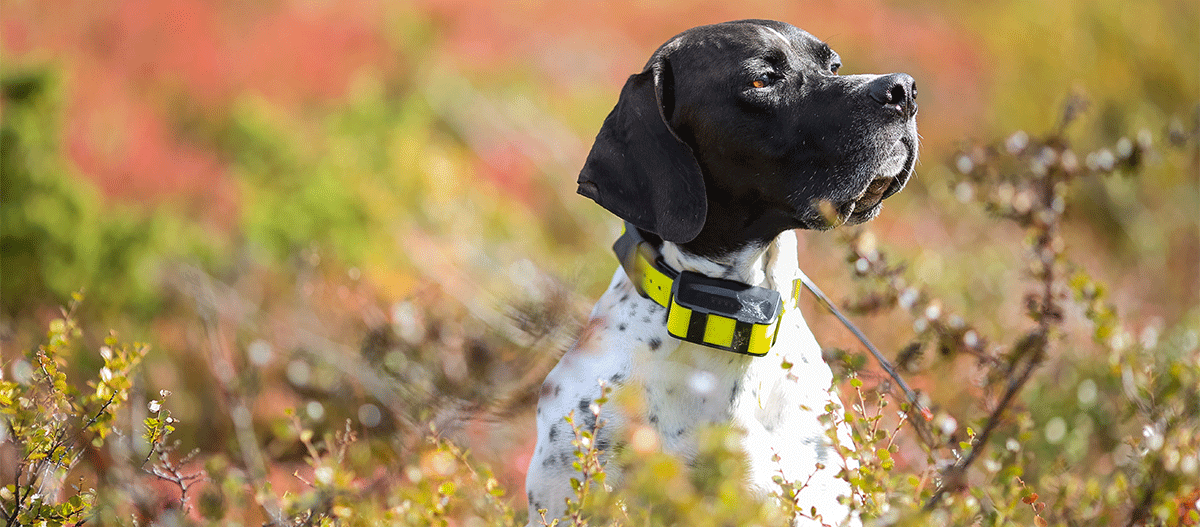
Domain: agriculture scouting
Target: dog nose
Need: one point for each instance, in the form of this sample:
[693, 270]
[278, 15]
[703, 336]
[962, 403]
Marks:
[897, 92]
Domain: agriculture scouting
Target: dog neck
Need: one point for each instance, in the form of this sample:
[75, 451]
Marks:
[767, 265]
[737, 223]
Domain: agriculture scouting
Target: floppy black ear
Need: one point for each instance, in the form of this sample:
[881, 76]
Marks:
[639, 169]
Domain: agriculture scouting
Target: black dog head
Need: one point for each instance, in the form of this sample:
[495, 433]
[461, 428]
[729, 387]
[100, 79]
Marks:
[736, 132]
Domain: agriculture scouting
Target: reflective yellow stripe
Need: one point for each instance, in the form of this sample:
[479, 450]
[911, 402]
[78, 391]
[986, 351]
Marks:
[678, 320]
[656, 284]
[719, 331]
[760, 344]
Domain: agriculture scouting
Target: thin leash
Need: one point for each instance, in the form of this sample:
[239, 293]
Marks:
[883, 362]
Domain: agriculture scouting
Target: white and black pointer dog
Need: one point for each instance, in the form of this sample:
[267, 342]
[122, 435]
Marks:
[732, 136]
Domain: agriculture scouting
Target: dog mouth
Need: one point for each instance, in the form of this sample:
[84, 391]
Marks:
[867, 205]
[875, 192]
[890, 177]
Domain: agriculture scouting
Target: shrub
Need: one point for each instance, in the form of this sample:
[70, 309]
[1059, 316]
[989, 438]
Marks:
[50, 425]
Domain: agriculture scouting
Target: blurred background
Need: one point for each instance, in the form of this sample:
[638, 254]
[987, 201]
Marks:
[366, 210]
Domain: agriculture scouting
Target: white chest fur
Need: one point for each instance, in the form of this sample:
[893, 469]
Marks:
[687, 386]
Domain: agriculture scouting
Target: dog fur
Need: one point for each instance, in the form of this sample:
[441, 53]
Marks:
[732, 136]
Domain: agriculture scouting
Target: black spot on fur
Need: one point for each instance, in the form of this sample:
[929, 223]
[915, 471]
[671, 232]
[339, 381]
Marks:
[616, 378]
[624, 298]
[549, 461]
[602, 443]
[646, 319]
[620, 447]
[553, 434]
[818, 444]
[588, 420]
[621, 327]
[680, 432]
[655, 343]
[653, 419]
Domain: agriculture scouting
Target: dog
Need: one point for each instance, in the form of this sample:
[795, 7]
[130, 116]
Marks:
[731, 137]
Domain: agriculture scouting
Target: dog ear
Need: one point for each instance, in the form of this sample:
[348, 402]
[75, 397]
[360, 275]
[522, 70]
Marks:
[638, 168]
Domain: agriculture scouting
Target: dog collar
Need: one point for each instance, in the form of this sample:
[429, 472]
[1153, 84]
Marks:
[713, 312]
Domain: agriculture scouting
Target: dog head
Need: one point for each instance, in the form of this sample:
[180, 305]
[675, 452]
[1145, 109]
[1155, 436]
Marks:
[735, 132]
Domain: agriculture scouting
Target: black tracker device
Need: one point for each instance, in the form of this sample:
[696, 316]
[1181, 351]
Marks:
[728, 298]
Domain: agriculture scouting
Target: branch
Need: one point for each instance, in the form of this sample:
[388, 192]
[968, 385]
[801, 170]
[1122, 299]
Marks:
[954, 477]
[1046, 220]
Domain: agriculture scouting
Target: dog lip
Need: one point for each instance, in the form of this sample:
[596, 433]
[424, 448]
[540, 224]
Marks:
[907, 167]
[866, 204]
[878, 189]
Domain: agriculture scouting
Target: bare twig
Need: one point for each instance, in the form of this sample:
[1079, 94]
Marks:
[954, 477]
[172, 471]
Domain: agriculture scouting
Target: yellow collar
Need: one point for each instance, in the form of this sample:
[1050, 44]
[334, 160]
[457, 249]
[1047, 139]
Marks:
[713, 312]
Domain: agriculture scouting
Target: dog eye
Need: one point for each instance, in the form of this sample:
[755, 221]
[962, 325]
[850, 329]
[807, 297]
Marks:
[762, 81]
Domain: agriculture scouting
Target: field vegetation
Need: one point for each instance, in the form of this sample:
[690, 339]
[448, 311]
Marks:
[307, 263]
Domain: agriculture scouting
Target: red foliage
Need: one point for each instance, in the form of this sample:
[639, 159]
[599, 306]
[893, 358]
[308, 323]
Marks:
[572, 41]
[138, 67]
[134, 67]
